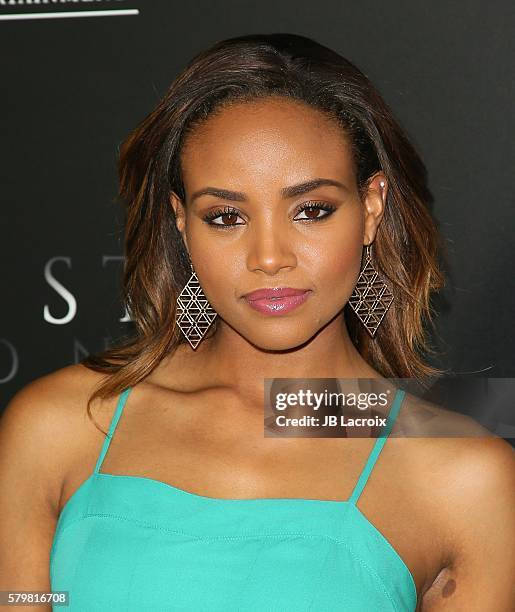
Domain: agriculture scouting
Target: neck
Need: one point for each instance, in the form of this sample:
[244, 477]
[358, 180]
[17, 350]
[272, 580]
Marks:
[232, 361]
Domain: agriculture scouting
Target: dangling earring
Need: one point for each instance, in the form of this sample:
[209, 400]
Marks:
[194, 313]
[371, 297]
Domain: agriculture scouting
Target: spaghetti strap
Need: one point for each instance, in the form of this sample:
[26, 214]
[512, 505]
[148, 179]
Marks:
[378, 447]
[112, 427]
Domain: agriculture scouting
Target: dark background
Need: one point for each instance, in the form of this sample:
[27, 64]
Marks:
[72, 89]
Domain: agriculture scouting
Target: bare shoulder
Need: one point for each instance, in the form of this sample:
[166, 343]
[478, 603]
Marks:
[52, 401]
[473, 488]
[482, 465]
[484, 471]
[459, 479]
[455, 460]
[421, 418]
[42, 432]
[58, 387]
[42, 419]
[462, 463]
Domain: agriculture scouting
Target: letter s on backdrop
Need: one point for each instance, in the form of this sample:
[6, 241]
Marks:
[62, 291]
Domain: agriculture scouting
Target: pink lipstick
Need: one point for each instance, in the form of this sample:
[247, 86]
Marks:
[276, 300]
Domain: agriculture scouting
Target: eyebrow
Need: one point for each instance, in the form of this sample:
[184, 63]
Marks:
[286, 192]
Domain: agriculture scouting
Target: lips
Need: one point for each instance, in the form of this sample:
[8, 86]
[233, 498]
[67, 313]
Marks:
[274, 293]
[276, 301]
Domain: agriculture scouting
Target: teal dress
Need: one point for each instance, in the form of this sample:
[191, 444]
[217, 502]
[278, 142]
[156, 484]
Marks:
[135, 543]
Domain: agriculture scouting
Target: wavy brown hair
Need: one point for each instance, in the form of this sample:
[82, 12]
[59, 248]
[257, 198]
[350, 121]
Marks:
[407, 244]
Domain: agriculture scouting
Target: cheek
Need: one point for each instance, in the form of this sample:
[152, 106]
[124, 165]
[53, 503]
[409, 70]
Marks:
[335, 280]
[221, 273]
[343, 265]
[334, 263]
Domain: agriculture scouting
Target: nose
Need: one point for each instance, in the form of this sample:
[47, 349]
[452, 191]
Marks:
[270, 250]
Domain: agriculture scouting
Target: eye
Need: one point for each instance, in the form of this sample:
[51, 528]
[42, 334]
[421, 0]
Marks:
[226, 216]
[313, 211]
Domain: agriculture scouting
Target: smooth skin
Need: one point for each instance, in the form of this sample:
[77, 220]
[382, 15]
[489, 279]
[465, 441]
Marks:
[445, 504]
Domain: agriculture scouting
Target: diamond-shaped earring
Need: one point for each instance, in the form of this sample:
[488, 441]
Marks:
[371, 297]
[194, 313]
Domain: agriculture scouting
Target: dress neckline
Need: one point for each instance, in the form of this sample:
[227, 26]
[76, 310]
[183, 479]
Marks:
[264, 502]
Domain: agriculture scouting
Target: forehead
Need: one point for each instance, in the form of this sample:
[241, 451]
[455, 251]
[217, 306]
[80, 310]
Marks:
[273, 139]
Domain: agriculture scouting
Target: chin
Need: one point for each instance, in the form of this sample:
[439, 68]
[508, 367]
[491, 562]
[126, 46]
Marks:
[278, 340]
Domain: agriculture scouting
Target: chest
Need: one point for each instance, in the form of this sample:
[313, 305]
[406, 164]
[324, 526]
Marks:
[222, 459]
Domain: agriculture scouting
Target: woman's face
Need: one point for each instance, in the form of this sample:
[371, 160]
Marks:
[272, 202]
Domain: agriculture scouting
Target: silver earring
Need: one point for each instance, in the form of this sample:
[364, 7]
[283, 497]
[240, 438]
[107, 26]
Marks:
[194, 313]
[371, 297]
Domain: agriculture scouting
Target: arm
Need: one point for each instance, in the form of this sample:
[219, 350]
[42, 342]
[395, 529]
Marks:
[480, 522]
[30, 486]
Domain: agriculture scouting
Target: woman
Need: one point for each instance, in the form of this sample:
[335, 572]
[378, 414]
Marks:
[264, 194]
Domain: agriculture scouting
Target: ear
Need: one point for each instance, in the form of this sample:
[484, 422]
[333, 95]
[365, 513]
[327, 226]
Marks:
[375, 202]
[180, 215]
